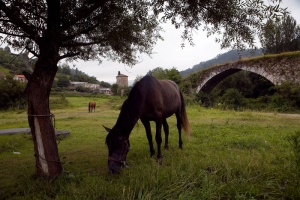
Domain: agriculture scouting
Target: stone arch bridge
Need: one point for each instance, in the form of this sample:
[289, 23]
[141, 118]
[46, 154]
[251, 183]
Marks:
[276, 68]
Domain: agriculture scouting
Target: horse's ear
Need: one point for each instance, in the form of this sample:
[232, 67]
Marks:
[107, 129]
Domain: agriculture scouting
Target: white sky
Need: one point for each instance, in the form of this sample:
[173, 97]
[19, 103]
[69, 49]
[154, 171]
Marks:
[168, 53]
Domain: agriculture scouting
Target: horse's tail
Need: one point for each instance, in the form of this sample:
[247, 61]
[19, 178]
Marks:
[184, 120]
[89, 106]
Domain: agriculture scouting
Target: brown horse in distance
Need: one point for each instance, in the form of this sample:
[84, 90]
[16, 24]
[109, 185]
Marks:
[92, 106]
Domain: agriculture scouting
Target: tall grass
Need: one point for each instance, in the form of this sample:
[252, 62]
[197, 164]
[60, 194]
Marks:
[230, 155]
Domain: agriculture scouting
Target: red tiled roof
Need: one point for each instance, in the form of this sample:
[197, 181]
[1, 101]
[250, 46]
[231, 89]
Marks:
[20, 76]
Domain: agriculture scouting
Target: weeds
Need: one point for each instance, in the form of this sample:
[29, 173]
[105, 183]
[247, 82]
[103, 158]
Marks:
[295, 143]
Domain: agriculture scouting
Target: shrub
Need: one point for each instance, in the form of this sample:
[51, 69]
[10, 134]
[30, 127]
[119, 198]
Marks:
[232, 99]
[12, 94]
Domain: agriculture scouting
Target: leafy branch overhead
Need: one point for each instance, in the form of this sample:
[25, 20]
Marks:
[119, 30]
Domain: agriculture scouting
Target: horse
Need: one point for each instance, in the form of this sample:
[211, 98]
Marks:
[92, 106]
[149, 100]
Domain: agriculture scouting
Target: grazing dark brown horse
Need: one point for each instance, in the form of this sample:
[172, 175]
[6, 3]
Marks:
[149, 100]
[92, 106]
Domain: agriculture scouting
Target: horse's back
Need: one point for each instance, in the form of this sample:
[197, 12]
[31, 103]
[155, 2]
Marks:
[161, 97]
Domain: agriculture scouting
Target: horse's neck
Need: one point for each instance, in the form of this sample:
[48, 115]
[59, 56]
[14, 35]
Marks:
[128, 117]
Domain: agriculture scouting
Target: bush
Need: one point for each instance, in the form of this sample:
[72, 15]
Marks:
[232, 99]
[12, 94]
[204, 99]
[286, 98]
[82, 89]
[59, 102]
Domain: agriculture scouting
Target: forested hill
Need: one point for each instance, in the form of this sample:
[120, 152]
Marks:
[230, 56]
[11, 64]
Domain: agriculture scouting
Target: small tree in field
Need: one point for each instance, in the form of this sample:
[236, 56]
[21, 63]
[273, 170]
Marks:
[53, 30]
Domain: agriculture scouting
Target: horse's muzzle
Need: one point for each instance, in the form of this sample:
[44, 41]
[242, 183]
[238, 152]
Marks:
[116, 166]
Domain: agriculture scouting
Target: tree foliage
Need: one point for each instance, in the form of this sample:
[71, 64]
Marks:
[63, 82]
[169, 74]
[81, 29]
[281, 36]
[118, 30]
[11, 93]
[105, 84]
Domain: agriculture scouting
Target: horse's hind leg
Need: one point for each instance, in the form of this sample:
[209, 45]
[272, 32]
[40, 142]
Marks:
[179, 129]
[147, 126]
[158, 141]
[166, 130]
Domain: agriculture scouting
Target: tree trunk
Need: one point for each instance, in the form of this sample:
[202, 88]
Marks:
[40, 119]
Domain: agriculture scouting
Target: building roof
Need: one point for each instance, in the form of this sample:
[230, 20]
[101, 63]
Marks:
[121, 75]
[20, 76]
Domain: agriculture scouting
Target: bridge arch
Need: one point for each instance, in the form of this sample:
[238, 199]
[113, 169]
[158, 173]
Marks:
[275, 68]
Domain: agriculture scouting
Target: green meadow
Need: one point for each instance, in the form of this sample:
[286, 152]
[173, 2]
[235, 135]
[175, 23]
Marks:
[229, 155]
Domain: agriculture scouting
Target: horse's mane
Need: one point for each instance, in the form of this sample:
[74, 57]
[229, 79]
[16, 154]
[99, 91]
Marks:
[129, 114]
[130, 111]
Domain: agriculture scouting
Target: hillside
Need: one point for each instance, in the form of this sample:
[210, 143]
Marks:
[11, 64]
[230, 56]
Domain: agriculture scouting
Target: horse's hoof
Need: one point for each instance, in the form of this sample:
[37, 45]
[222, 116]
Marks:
[166, 147]
[152, 154]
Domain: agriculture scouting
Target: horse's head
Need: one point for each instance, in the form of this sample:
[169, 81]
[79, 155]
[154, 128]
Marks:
[118, 147]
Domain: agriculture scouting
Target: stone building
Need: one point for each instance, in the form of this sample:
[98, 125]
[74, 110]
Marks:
[122, 80]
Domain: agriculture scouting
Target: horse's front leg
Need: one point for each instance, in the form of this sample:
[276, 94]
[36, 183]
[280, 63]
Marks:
[147, 126]
[158, 141]
[166, 130]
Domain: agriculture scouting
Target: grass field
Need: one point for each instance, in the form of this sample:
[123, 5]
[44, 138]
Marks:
[229, 155]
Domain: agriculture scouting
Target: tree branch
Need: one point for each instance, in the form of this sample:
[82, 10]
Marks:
[81, 44]
[83, 13]
[16, 20]
[67, 55]
[15, 35]
[85, 31]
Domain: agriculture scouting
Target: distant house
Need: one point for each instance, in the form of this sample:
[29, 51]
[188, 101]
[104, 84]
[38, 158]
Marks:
[103, 90]
[91, 86]
[122, 80]
[75, 84]
[20, 78]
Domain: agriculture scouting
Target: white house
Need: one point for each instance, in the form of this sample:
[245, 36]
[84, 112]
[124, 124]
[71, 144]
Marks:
[20, 78]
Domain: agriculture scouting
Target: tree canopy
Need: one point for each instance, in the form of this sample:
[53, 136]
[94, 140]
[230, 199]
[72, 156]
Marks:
[171, 74]
[281, 36]
[89, 29]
